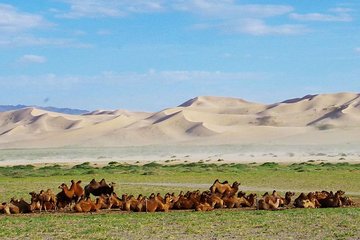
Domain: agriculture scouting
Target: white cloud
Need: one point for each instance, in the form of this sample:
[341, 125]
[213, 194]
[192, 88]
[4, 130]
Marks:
[240, 18]
[357, 50]
[334, 15]
[30, 40]
[30, 58]
[12, 20]
[229, 9]
[257, 27]
[109, 8]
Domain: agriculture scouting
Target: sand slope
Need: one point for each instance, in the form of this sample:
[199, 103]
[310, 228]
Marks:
[313, 119]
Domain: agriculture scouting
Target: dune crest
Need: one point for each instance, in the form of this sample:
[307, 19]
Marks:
[312, 119]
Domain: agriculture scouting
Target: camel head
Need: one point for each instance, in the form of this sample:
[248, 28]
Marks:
[341, 192]
[236, 184]
[241, 194]
[289, 194]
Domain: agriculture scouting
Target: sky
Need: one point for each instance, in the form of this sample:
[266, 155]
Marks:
[147, 55]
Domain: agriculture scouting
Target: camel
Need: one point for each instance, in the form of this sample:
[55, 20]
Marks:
[114, 201]
[298, 202]
[65, 197]
[287, 200]
[233, 190]
[4, 208]
[220, 187]
[186, 202]
[306, 203]
[99, 188]
[203, 205]
[88, 205]
[47, 200]
[333, 200]
[23, 206]
[35, 202]
[78, 190]
[154, 204]
[247, 201]
[215, 201]
[131, 203]
[69, 192]
[346, 201]
[268, 205]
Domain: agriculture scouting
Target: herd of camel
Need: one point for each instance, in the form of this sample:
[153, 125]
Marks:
[220, 195]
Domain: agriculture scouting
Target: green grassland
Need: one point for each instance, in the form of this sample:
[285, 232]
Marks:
[341, 223]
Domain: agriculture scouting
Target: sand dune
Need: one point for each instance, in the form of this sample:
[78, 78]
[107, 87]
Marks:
[312, 119]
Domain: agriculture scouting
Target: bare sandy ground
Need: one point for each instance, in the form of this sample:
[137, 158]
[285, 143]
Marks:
[170, 154]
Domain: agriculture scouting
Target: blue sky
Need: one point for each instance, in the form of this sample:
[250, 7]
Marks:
[149, 55]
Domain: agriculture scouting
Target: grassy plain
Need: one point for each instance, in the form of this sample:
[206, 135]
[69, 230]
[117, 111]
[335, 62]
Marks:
[339, 223]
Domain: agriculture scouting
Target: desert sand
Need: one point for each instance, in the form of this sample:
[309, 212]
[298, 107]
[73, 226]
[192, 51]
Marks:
[202, 128]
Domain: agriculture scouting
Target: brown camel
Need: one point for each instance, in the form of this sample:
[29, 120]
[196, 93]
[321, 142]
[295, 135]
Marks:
[264, 204]
[23, 206]
[78, 190]
[99, 188]
[233, 190]
[88, 205]
[333, 200]
[220, 187]
[154, 204]
[287, 200]
[114, 201]
[35, 201]
[4, 208]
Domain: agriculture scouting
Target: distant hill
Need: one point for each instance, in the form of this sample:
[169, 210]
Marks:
[316, 120]
[5, 108]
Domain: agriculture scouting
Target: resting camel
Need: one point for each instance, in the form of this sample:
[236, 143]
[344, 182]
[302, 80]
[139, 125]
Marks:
[287, 200]
[88, 205]
[154, 204]
[4, 208]
[47, 200]
[346, 201]
[113, 201]
[203, 205]
[187, 202]
[220, 187]
[247, 201]
[214, 200]
[333, 200]
[268, 205]
[306, 201]
[23, 206]
[35, 202]
[131, 203]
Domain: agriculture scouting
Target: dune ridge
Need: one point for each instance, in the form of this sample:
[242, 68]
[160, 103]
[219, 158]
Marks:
[312, 119]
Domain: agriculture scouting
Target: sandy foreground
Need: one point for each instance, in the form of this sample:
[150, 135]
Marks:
[181, 154]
